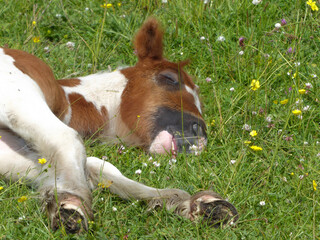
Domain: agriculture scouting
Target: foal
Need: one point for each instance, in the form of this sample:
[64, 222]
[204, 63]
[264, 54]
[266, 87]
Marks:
[153, 105]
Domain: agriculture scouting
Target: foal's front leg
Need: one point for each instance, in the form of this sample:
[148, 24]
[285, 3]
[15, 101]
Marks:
[205, 205]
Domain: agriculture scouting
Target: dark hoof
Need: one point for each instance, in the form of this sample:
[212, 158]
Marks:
[213, 210]
[69, 219]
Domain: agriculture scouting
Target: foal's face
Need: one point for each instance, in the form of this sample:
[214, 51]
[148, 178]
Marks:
[160, 102]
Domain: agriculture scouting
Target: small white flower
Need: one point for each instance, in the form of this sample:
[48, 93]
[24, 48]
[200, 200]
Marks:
[256, 2]
[306, 108]
[138, 171]
[313, 75]
[241, 53]
[318, 155]
[288, 73]
[300, 117]
[70, 45]
[278, 25]
[317, 142]
[150, 158]
[269, 119]
[231, 89]
[267, 55]
[144, 164]
[246, 127]
[46, 48]
[22, 217]
[114, 209]
[156, 164]
[123, 16]
[164, 1]
[202, 38]
[86, 9]
[262, 203]
[172, 161]
[205, 1]
[299, 101]
[233, 161]
[89, 65]
[152, 172]
[221, 39]
[301, 177]
[297, 64]
[285, 179]
[305, 143]
[279, 131]
[104, 158]
[254, 113]
[181, 53]
[58, 15]
[301, 160]
[308, 85]
[208, 79]
[102, 199]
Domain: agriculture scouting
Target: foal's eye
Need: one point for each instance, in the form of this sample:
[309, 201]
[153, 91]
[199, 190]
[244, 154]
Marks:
[168, 78]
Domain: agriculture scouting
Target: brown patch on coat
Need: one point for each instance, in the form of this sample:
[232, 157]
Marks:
[85, 117]
[42, 74]
[71, 82]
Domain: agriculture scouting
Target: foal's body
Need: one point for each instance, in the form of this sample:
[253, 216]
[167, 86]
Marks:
[41, 117]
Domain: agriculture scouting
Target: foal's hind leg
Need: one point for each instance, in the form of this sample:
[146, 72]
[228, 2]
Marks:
[206, 205]
[24, 111]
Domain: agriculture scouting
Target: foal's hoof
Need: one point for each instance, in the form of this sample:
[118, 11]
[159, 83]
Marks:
[69, 219]
[213, 210]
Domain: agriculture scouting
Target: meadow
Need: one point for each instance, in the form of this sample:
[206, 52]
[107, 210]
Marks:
[258, 68]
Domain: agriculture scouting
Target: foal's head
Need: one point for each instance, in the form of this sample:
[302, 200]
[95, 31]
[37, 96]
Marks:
[160, 103]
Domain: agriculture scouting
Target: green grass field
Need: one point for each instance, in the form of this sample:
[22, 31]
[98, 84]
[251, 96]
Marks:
[270, 177]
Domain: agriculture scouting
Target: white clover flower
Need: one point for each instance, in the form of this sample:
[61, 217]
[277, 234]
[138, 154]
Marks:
[306, 108]
[308, 85]
[246, 127]
[70, 45]
[138, 171]
[46, 48]
[231, 89]
[256, 2]
[232, 161]
[221, 39]
[202, 38]
[241, 53]
[269, 119]
[172, 161]
[150, 158]
[156, 164]
[313, 75]
[58, 15]
[86, 9]
[262, 203]
[305, 143]
[297, 64]
[144, 164]
[278, 25]
[301, 177]
[114, 209]
[22, 217]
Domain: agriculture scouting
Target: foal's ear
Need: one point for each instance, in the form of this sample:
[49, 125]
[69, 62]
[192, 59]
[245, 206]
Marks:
[148, 41]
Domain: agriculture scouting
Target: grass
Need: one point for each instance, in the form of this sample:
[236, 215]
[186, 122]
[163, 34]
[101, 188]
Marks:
[281, 175]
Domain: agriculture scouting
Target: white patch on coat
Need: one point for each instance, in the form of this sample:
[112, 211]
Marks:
[195, 96]
[103, 89]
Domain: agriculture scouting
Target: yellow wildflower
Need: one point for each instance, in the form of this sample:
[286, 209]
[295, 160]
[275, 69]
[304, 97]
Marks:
[34, 23]
[42, 160]
[253, 133]
[107, 185]
[275, 101]
[255, 84]
[302, 91]
[1, 188]
[22, 199]
[285, 101]
[256, 148]
[296, 112]
[36, 39]
[314, 184]
[294, 75]
[138, 116]
[213, 122]
[292, 173]
[106, 5]
[119, 4]
[247, 142]
[313, 5]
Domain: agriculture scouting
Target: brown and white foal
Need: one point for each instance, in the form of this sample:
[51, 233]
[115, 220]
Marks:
[153, 105]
